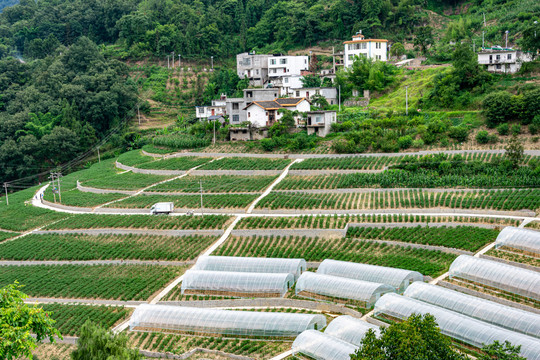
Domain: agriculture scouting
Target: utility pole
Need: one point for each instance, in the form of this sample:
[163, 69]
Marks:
[179, 63]
[484, 19]
[7, 199]
[172, 59]
[168, 62]
[200, 185]
[406, 100]
[99, 157]
[339, 97]
[139, 114]
[58, 176]
[506, 44]
[212, 62]
[214, 132]
[483, 47]
[53, 187]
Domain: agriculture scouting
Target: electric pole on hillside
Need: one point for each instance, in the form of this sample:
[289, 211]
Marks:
[200, 187]
[58, 176]
[53, 187]
[406, 100]
[212, 62]
[168, 62]
[7, 199]
[506, 44]
[172, 59]
[179, 63]
[214, 132]
[483, 47]
[98, 156]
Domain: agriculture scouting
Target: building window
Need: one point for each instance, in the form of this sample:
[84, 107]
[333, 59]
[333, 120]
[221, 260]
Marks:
[286, 80]
[498, 67]
[377, 45]
[364, 46]
[283, 61]
[257, 71]
[498, 57]
[247, 61]
[235, 106]
[297, 93]
[509, 57]
[201, 110]
[236, 118]
[249, 114]
[350, 47]
[272, 61]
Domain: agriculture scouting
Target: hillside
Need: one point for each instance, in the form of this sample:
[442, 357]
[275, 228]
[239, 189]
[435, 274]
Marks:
[6, 3]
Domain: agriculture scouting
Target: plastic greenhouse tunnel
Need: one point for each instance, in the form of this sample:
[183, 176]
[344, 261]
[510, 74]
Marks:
[521, 239]
[397, 278]
[460, 327]
[501, 315]
[236, 283]
[250, 264]
[350, 329]
[213, 322]
[363, 293]
[321, 346]
[498, 275]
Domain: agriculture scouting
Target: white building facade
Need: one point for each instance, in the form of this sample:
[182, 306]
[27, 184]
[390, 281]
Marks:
[285, 65]
[359, 46]
[320, 122]
[265, 113]
[254, 67]
[217, 108]
[507, 61]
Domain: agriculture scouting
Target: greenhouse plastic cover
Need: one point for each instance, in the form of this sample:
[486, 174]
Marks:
[457, 326]
[340, 287]
[517, 238]
[224, 322]
[498, 275]
[251, 264]
[398, 278]
[241, 282]
[485, 310]
[350, 329]
[321, 346]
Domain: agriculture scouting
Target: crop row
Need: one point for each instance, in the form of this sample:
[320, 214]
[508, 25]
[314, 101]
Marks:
[180, 141]
[178, 344]
[104, 247]
[515, 257]
[177, 163]
[4, 235]
[120, 282]
[340, 221]
[75, 197]
[70, 318]
[125, 181]
[95, 221]
[187, 201]
[317, 249]
[478, 199]
[522, 177]
[461, 237]
[246, 163]
[134, 158]
[223, 183]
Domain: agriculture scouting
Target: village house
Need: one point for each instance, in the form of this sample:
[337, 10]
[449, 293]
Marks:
[284, 65]
[266, 113]
[359, 46]
[217, 108]
[507, 61]
[329, 93]
[254, 67]
[320, 122]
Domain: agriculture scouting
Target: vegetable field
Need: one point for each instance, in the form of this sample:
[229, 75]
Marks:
[515, 257]
[223, 183]
[461, 237]
[94, 221]
[402, 199]
[246, 163]
[180, 141]
[178, 163]
[178, 344]
[125, 181]
[75, 197]
[134, 158]
[317, 249]
[340, 221]
[70, 318]
[119, 282]
[104, 247]
[187, 201]
[6, 235]
[347, 163]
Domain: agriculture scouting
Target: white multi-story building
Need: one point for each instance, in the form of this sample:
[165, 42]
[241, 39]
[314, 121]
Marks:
[359, 46]
[501, 60]
[284, 65]
[217, 108]
[254, 67]
[329, 93]
[265, 113]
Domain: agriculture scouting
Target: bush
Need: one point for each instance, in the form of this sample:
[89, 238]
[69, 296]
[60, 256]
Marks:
[419, 143]
[534, 126]
[405, 142]
[497, 108]
[267, 144]
[343, 146]
[503, 129]
[482, 137]
[459, 133]
[516, 129]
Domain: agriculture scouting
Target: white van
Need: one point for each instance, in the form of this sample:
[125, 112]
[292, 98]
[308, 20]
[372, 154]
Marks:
[162, 208]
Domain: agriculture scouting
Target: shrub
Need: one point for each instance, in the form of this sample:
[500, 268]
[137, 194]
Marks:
[405, 142]
[419, 143]
[343, 146]
[503, 129]
[516, 129]
[460, 133]
[534, 126]
[482, 137]
[497, 108]
[267, 144]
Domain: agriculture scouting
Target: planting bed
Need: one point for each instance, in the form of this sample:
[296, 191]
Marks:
[75, 197]
[187, 201]
[178, 163]
[462, 237]
[134, 158]
[120, 282]
[94, 221]
[477, 199]
[179, 344]
[70, 318]
[104, 247]
[317, 249]
[4, 235]
[347, 163]
[340, 221]
[246, 163]
[225, 183]
[515, 256]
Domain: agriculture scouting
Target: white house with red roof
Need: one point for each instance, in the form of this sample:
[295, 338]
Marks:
[265, 113]
[359, 46]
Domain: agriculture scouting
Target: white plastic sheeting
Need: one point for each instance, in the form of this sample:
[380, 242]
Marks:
[398, 278]
[517, 238]
[321, 346]
[350, 329]
[498, 275]
[224, 322]
[471, 331]
[481, 309]
[342, 288]
[251, 264]
[237, 282]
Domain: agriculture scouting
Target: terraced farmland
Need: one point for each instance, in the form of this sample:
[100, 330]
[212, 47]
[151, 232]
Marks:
[246, 163]
[219, 184]
[187, 201]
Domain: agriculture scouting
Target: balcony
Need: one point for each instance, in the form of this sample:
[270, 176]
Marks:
[495, 61]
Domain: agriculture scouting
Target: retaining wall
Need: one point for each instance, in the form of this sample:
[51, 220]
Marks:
[103, 191]
[150, 171]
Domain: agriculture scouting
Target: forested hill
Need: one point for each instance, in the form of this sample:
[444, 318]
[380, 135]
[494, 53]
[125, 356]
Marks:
[6, 3]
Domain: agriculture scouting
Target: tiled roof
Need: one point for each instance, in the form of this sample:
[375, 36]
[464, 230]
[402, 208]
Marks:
[289, 101]
[364, 40]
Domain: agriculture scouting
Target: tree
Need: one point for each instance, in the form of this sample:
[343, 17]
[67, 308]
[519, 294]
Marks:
[424, 38]
[417, 338]
[531, 39]
[97, 343]
[310, 81]
[319, 101]
[397, 49]
[496, 107]
[367, 74]
[501, 351]
[18, 321]
[514, 150]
